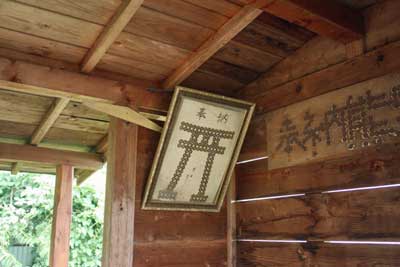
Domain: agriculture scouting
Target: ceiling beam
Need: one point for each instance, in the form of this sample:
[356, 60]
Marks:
[45, 81]
[13, 153]
[49, 119]
[326, 18]
[110, 33]
[225, 34]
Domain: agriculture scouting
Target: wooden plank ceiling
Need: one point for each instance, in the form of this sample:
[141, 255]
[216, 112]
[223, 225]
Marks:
[153, 38]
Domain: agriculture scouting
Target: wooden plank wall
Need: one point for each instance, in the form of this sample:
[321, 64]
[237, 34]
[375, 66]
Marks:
[313, 221]
[165, 238]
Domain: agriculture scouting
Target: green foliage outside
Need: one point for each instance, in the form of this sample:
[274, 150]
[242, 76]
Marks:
[26, 205]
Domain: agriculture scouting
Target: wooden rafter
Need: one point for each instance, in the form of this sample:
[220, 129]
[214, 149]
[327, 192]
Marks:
[101, 147]
[326, 18]
[110, 33]
[226, 33]
[124, 113]
[13, 153]
[49, 119]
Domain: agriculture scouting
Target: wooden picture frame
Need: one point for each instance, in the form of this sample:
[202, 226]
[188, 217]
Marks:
[197, 152]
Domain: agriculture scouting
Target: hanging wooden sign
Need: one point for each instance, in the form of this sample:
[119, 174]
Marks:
[198, 150]
[362, 115]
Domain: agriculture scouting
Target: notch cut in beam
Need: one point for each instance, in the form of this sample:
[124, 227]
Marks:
[124, 113]
[15, 168]
[225, 34]
[81, 160]
[49, 119]
[326, 18]
[110, 33]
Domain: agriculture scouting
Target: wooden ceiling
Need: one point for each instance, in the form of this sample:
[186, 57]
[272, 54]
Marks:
[161, 36]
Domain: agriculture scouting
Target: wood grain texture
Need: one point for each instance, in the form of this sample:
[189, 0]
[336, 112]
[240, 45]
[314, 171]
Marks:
[30, 167]
[189, 12]
[369, 167]
[273, 35]
[167, 29]
[327, 19]
[381, 22]
[119, 215]
[62, 217]
[12, 152]
[212, 82]
[107, 37]
[35, 110]
[317, 54]
[165, 238]
[224, 34]
[177, 253]
[55, 135]
[46, 24]
[246, 56]
[255, 143]
[49, 119]
[47, 81]
[368, 66]
[125, 113]
[231, 224]
[97, 11]
[327, 255]
[378, 100]
[358, 215]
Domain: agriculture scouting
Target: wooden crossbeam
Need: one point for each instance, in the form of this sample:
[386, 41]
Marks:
[40, 80]
[226, 33]
[49, 119]
[13, 153]
[326, 18]
[124, 113]
[110, 33]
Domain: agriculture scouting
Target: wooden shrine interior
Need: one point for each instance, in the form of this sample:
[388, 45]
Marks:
[56, 56]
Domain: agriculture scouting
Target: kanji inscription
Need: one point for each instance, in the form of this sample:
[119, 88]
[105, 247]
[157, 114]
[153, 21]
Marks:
[356, 117]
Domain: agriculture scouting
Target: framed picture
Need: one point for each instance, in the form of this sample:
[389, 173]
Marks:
[197, 152]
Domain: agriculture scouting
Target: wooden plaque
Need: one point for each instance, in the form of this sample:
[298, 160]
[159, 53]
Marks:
[198, 150]
[358, 116]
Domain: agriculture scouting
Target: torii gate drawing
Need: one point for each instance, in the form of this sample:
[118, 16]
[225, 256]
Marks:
[203, 139]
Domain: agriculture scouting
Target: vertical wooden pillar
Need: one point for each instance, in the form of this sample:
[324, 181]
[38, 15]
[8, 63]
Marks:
[231, 223]
[62, 215]
[118, 240]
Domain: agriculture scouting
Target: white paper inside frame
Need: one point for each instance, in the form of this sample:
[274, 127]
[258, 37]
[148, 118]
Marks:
[219, 119]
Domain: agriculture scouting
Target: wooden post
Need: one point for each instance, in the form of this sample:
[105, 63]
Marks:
[231, 223]
[118, 240]
[62, 215]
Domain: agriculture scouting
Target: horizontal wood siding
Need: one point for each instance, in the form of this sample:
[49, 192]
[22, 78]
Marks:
[357, 215]
[316, 217]
[165, 238]
[326, 255]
